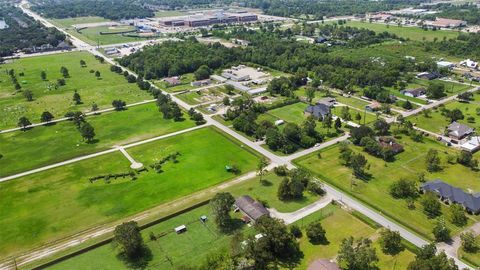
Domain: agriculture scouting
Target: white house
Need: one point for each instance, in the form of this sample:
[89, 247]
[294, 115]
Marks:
[469, 63]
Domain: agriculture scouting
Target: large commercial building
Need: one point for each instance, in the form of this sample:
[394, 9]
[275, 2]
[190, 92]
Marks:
[199, 20]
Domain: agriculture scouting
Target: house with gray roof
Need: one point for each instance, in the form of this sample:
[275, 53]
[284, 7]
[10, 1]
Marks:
[459, 131]
[451, 194]
[318, 111]
[251, 208]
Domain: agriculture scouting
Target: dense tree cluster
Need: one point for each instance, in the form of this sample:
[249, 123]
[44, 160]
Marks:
[321, 9]
[23, 32]
[112, 9]
[428, 259]
[295, 183]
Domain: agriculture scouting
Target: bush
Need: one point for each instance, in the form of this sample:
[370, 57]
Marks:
[295, 230]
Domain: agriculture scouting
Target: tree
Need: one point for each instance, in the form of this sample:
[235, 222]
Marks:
[202, 73]
[381, 127]
[226, 101]
[358, 117]
[283, 192]
[261, 166]
[315, 232]
[441, 231]
[119, 104]
[455, 115]
[433, 161]
[43, 75]
[407, 105]
[128, 237]
[83, 63]
[23, 122]
[279, 241]
[64, 72]
[345, 114]
[431, 205]
[87, 132]
[76, 98]
[97, 74]
[28, 95]
[427, 259]
[94, 107]
[360, 132]
[469, 242]
[357, 255]
[358, 162]
[46, 116]
[466, 158]
[221, 204]
[338, 123]
[391, 242]
[435, 90]
[295, 230]
[310, 93]
[457, 215]
[403, 189]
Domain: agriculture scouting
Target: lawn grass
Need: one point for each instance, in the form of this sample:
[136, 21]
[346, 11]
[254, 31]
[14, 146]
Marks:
[168, 13]
[185, 80]
[92, 35]
[412, 33]
[168, 252]
[200, 96]
[436, 122]
[375, 190]
[59, 202]
[69, 22]
[92, 90]
[339, 224]
[63, 141]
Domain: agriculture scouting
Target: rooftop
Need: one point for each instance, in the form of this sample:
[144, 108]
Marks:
[250, 207]
[454, 194]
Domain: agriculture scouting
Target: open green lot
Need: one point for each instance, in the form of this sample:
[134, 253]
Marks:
[59, 202]
[69, 22]
[63, 141]
[92, 35]
[339, 224]
[201, 96]
[413, 33]
[436, 122]
[168, 13]
[375, 190]
[103, 91]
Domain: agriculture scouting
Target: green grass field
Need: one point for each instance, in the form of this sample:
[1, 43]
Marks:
[436, 122]
[412, 33]
[207, 95]
[63, 141]
[61, 201]
[168, 13]
[375, 190]
[69, 22]
[92, 90]
[339, 224]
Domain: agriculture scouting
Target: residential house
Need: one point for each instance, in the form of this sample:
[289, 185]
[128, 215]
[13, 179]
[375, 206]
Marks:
[459, 131]
[414, 92]
[450, 194]
[172, 81]
[329, 101]
[318, 111]
[469, 64]
[389, 142]
[428, 75]
[471, 145]
[251, 208]
[373, 107]
[201, 83]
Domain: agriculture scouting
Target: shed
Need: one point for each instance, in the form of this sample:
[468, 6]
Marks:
[180, 229]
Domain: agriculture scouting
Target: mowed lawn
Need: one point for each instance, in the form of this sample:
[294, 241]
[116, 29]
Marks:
[340, 224]
[59, 202]
[92, 35]
[101, 91]
[436, 122]
[69, 22]
[63, 141]
[170, 251]
[375, 191]
[413, 33]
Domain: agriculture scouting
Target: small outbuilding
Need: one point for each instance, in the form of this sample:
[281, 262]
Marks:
[251, 208]
[181, 229]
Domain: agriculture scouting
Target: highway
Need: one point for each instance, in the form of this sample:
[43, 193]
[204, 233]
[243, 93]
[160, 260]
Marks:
[49, 249]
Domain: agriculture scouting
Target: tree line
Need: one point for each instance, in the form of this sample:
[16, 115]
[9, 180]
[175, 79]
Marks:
[23, 32]
[113, 9]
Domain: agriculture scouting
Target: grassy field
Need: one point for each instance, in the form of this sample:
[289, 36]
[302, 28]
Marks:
[33, 214]
[69, 22]
[13, 105]
[339, 224]
[202, 96]
[63, 141]
[436, 122]
[168, 13]
[412, 33]
[375, 190]
[92, 35]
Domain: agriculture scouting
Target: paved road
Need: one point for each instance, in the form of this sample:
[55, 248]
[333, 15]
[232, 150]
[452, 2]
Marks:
[290, 218]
